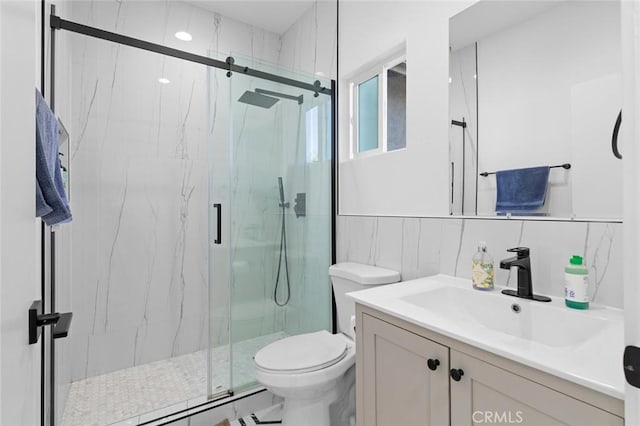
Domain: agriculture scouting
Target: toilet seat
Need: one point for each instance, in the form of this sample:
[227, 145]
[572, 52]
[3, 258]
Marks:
[303, 353]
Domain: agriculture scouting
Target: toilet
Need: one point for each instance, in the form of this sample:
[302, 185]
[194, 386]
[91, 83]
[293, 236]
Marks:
[310, 371]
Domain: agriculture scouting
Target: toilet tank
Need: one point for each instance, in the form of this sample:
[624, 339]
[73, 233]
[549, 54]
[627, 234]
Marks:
[347, 277]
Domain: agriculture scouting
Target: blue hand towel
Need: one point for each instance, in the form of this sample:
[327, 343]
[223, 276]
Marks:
[51, 199]
[521, 190]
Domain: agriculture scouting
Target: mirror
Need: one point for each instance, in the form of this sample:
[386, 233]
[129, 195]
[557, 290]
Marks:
[534, 84]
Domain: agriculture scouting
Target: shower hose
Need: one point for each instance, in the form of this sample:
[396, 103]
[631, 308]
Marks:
[283, 248]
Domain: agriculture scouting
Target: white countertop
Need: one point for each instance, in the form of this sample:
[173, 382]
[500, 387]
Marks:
[595, 363]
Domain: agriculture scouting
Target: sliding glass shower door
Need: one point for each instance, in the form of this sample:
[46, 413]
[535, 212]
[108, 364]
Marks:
[271, 192]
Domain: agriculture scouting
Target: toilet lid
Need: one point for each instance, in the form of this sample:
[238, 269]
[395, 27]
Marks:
[303, 353]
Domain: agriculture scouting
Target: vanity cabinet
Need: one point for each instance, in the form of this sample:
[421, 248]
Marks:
[489, 394]
[406, 375]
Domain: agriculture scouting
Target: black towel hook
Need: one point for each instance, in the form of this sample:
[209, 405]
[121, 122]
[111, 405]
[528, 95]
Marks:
[614, 137]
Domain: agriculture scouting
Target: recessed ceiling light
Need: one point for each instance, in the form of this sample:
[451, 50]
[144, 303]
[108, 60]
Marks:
[320, 74]
[163, 80]
[184, 36]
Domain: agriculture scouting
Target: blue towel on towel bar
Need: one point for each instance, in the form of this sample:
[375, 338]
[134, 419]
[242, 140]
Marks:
[51, 199]
[521, 190]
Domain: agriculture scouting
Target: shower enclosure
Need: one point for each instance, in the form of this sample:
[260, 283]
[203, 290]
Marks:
[273, 197]
[203, 224]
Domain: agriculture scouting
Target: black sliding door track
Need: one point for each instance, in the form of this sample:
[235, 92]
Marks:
[58, 23]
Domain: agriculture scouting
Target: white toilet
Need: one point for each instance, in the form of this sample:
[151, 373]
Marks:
[309, 370]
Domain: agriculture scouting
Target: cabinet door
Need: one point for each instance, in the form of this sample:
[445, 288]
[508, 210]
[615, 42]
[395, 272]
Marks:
[486, 394]
[398, 387]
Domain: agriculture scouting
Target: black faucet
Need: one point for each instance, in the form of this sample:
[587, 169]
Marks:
[522, 262]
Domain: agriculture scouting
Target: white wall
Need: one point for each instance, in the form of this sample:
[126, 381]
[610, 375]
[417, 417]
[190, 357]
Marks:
[412, 181]
[629, 137]
[19, 230]
[549, 93]
[463, 105]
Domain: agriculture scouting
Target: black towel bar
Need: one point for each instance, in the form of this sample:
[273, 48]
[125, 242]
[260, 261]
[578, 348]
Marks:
[566, 166]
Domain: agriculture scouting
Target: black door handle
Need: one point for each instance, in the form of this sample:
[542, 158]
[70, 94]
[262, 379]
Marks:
[456, 374]
[60, 322]
[433, 364]
[631, 365]
[218, 239]
[614, 137]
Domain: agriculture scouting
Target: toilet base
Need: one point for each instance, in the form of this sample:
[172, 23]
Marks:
[311, 412]
[333, 406]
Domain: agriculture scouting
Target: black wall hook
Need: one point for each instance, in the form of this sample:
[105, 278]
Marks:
[614, 137]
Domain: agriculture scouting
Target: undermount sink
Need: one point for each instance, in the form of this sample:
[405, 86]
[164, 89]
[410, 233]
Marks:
[547, 324]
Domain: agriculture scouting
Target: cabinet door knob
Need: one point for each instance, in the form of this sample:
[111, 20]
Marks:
[433, 364]
[456, 374]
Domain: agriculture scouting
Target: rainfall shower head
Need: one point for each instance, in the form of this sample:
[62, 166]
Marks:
[266, 98]
[256, 99]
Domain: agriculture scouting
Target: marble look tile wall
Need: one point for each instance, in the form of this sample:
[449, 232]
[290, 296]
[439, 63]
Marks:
[310, 47]
[139, 179]
[420, 247]
[311, 44]
[140, 153]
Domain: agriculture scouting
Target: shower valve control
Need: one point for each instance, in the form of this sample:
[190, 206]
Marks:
[300, 208]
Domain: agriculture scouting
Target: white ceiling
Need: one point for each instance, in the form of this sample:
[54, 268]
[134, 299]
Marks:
[274, 16]
[488, 17]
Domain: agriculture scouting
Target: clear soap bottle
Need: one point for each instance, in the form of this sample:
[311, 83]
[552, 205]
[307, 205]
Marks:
[482, 268]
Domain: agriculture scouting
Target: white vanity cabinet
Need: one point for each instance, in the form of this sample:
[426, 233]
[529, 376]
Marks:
[396, 385]
[489, 394]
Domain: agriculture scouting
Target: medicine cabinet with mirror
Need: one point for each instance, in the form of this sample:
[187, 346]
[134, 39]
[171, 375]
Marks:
[535, 84]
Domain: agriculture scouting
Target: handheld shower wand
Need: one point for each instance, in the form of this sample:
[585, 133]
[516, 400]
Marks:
[280, 184]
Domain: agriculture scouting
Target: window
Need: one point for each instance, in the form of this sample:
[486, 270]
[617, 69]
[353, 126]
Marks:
[368, 115]
[317, 137]
[378, 109]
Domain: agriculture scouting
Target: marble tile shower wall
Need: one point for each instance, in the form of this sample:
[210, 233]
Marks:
[310, 46]
[280, 135]
[139, 180]
[420, 247]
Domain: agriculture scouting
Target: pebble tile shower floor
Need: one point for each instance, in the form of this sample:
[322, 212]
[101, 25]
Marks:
[109, 398]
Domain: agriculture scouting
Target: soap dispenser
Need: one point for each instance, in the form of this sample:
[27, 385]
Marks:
[482, 268]
[576, 284]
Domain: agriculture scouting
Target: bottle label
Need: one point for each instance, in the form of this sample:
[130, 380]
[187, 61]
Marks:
[482, 274]
[576, 288]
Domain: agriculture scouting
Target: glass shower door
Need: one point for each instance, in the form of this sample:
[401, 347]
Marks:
[276, 215]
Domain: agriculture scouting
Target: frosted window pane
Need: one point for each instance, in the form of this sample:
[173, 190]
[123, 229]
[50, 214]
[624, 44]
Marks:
[397, 107]
[368, 115]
